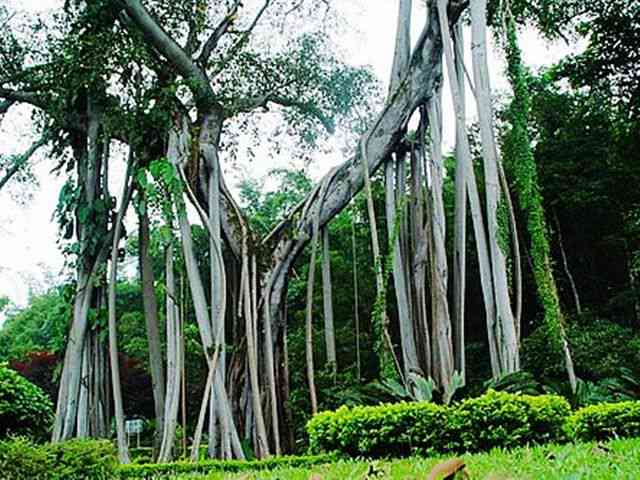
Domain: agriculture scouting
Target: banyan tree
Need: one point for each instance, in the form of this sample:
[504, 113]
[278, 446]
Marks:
[172, 84]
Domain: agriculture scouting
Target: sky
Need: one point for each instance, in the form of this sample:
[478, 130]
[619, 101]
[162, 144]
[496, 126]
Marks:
[30, 260]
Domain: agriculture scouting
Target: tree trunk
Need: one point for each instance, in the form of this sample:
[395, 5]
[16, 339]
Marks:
[567, 270]
[419, 234]
[309, 314]
[460, 221]
[327, 293]
[464, 153]
[86, 149]
[356, 293]
[443, 366]
[508, 342]
[123, 451]
[407, 334]
[151, 319]
[172, 398]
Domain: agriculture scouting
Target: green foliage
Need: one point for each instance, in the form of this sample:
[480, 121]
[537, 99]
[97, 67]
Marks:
[20, 458]
[386, 430]
[83, 459]
[517, 382]
[170, 470]
[599, 349]
[606, 420]
[41, 326]
[4, 302]
[501, 419]
[517, 150]
[496, 419]
[72, 460]
[24, 407]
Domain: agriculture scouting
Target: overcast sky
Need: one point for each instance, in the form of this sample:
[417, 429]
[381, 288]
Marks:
[29, 256]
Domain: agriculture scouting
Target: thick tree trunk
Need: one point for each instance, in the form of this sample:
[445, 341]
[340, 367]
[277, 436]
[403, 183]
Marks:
[269, 357]
[208, 141]
[87, 154]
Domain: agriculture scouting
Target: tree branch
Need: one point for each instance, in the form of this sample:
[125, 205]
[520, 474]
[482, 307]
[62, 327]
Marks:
[169, 48]
[31, 98]
[218, 33]
[21, 160]
[245, 35]
[249, 104]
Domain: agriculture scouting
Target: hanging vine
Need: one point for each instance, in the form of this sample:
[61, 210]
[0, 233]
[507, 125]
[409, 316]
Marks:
[517, 148]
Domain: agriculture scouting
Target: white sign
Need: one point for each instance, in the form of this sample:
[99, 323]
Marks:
[134, 426]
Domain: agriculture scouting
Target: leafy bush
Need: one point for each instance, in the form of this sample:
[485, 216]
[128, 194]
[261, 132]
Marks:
[385, 430]
[170, 470]
[497, 419]
[93, 459]
[500, 419]
[598, 422]
[24, 408]
[20, 458]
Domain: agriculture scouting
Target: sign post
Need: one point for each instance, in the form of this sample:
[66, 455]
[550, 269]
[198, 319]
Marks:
[134, 427]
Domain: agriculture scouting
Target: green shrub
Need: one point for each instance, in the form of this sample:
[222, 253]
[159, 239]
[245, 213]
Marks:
[20, 458]
[496, 419]
[606, 420]
[24, 408]
[95, 459]
[385, 430]
[170, 470]
[501, 419]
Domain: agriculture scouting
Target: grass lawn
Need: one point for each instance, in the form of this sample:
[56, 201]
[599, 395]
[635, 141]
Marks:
[618, 459]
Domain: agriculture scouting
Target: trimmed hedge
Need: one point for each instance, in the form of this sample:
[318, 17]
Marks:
[500, 419]
[20, 458]
[386, 430]
[496, 419]
[606, 420]
[167, 470]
